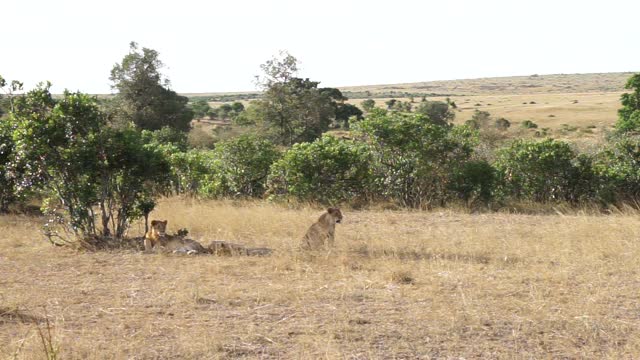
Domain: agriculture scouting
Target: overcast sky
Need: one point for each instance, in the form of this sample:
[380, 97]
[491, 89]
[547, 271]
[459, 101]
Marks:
[212, 46]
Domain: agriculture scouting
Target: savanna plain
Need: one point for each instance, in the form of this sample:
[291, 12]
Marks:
[399, 284]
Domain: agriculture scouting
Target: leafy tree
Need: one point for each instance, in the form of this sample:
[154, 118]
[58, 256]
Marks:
[328, 170]
[237, 107]
[144, 97]
[8, 175]
[438, 112]
[346, 112]
[292, 109]
[629, 115]
[64, 148]
[368, 105]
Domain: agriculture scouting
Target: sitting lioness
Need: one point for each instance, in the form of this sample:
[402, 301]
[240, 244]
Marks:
[158, 238]
[322, 232]
[155, 234]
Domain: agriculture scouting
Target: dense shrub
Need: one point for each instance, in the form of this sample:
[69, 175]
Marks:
[414, 159]
[474, 182]
[328, 170]
[617, 168]
[242, 166]
[235, 168]
[539, 171]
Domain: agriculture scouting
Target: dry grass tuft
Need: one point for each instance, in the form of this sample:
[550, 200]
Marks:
[399, 284]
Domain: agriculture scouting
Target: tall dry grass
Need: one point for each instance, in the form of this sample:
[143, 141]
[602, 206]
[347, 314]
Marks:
[399, 284]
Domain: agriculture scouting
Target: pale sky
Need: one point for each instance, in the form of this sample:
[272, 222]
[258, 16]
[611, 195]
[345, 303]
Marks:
[217, 46]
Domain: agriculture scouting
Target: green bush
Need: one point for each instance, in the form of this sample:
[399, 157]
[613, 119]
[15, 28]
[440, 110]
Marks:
[617, 171]
[539, 171]
[242, 166]
[474, 182]
[414, 159]
[328, 170]
[528, 124]
[235, 168]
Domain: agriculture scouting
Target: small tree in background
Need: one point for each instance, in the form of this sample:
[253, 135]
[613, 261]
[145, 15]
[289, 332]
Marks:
[144, 97]
[368, 105]
[200, 108]
[438, 112]
[292, 109]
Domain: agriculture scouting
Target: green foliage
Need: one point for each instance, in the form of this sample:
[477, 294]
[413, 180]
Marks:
[227, 111]
[539, 171]
[368, 105]
[617, 171]
[328, 170]
[415, 160]
[144, 98]
[528, 124]
[629, 114]
[243, 165]
[345, 113]
[200, 108]
[235, 168]
[166, 135]
[474, 182]
[292, 109]
[65, 149]
[438, 112]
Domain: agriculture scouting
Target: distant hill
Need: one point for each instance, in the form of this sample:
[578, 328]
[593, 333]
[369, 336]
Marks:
[533, 84]
[512, 85]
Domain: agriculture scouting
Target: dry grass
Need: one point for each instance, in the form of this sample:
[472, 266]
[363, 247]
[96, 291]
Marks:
[398, 285]
[591, 113]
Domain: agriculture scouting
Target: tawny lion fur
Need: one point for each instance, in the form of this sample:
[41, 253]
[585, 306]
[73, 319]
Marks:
[322, 233]
[157, 237]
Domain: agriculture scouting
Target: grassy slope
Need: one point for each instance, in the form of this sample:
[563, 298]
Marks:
[399, 284]
[586, 104]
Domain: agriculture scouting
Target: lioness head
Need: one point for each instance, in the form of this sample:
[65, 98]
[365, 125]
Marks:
[160, 227]
[336, 214]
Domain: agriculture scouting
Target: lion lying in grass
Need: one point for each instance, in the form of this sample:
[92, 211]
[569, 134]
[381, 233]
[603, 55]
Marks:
[157, 238]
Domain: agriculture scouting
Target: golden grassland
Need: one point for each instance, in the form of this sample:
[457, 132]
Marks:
[399, 284]
[574, 107]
